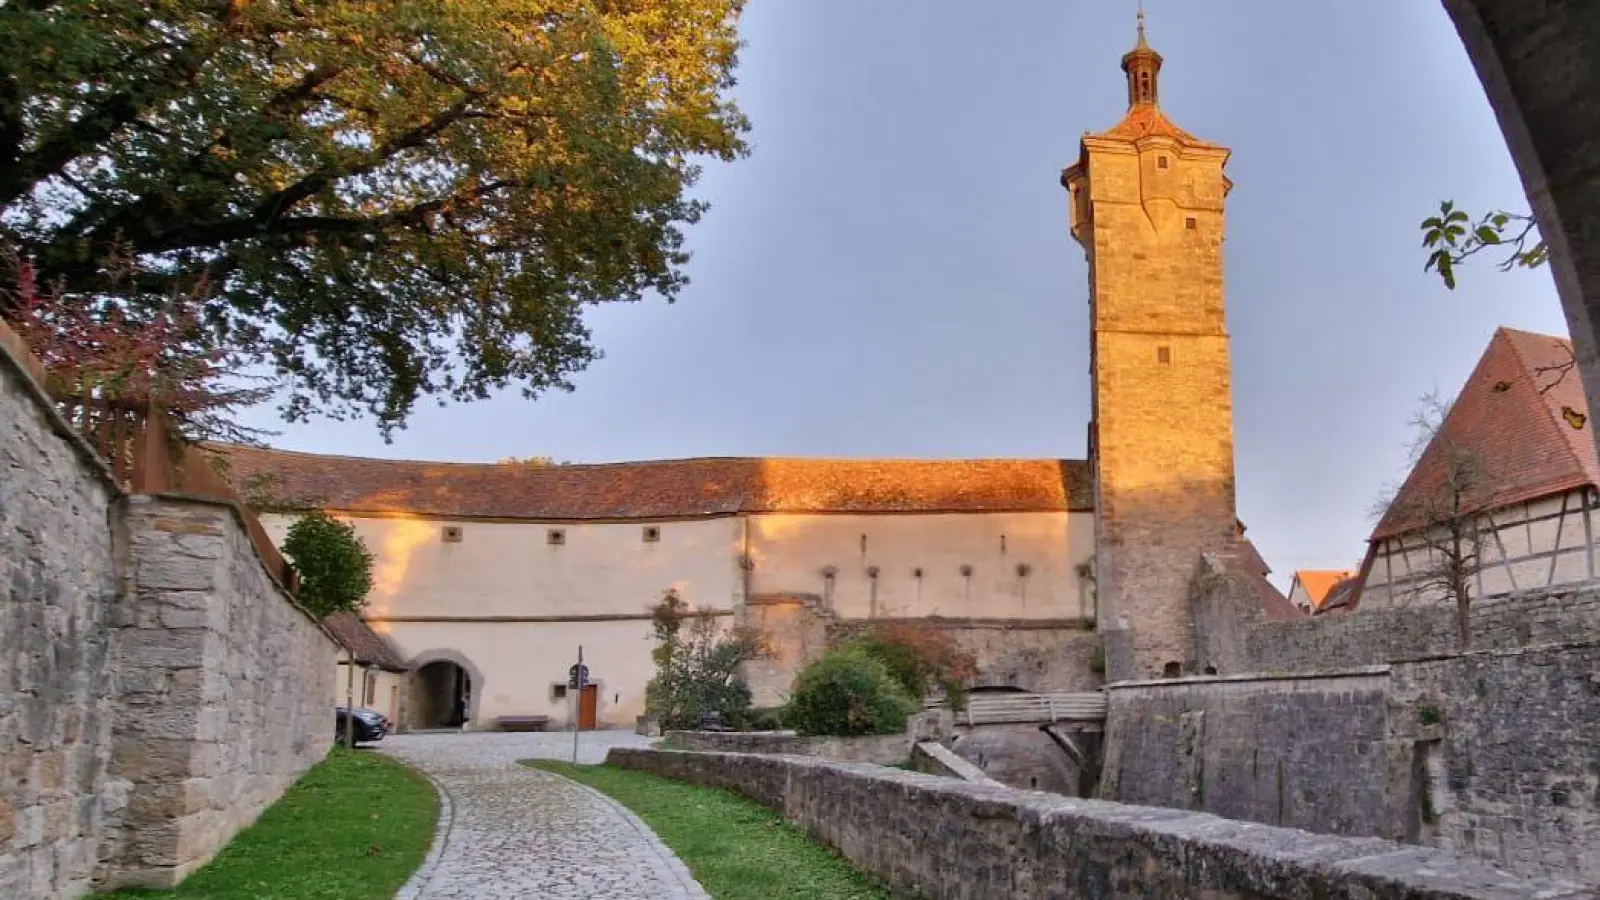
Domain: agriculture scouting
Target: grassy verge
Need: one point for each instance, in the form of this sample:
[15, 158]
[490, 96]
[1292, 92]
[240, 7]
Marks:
[353, 828]
[736, 849]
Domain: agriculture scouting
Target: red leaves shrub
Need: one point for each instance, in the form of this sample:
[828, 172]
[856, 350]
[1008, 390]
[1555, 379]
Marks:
[921, 658]
[101, 348]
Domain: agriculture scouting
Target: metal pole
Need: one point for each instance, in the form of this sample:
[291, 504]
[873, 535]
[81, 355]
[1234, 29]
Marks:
[349, 700]
[577, 708]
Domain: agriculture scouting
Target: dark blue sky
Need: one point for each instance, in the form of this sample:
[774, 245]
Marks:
[889, 274]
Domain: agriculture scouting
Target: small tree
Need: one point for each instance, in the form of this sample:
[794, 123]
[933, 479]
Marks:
[697, 666]
[847, 692]
[921, 660]
[1440, 509]
[334, 564]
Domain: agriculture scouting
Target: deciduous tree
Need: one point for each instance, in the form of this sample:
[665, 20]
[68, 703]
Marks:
[1440, 508]
[390, 199]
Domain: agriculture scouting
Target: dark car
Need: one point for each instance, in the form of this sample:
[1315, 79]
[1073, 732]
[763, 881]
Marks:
[371, 726]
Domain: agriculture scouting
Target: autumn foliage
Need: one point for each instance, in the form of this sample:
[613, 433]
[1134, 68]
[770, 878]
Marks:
[98, 349]
[922, 659]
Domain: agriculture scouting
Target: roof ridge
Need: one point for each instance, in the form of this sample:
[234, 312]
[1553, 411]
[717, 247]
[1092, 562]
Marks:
[1539, 395]
[224, 447]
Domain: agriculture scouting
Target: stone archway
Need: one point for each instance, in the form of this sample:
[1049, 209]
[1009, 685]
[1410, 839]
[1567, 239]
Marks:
[1537, 60]
[443, 691]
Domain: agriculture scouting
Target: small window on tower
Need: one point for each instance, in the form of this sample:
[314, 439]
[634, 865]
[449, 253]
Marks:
[1164, 355]
[555, 537]
[1191, 223]
[1161, 162]
[652, 534]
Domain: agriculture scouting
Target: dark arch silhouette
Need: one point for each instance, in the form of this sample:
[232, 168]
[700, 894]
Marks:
[1549, 112]
[444, 690]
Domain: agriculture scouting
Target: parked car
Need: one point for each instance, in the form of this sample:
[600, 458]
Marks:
[371, 726]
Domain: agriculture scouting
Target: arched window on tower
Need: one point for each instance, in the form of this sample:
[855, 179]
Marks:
[1144, 87]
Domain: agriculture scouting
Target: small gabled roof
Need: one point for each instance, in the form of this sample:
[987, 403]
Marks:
[1318, 583]
[368, 646]
[1523, 417]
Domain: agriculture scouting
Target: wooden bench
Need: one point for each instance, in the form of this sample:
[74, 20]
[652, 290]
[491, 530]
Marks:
[523, 723]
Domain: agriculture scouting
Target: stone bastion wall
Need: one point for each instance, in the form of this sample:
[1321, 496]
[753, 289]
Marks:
[1380, 724]
[158, 688]
[939, 838]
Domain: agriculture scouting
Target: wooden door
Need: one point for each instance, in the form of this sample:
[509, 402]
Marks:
[588, 707]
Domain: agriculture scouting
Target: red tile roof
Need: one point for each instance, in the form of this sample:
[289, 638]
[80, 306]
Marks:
[1516, 417]
[1147, 121]
[661, 489]
[358, 637]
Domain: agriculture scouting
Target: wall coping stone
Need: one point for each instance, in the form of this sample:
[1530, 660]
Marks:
[237, 512]
[1358, 672]
[1219, 858]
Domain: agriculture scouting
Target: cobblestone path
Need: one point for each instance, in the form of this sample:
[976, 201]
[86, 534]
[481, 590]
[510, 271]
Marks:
[514, 833]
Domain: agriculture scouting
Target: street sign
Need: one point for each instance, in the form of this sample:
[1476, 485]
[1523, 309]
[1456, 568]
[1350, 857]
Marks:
[577, 676]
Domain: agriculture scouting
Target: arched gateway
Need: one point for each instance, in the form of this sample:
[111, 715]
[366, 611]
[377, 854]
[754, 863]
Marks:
[444, 691]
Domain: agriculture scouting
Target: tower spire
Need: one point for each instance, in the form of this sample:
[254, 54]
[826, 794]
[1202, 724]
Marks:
[1143, 66]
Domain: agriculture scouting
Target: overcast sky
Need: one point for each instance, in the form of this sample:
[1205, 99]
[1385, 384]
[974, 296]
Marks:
[890, 274]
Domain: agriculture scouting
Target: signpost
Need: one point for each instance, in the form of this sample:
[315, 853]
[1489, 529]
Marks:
[577, 678]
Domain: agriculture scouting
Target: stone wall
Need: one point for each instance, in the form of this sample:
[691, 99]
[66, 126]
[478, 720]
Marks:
[935, 837]
[1507, 744]
[879, 749]
[1490, 753]
[1041, 655]
[57, 571]
[1298, 752]
[225, 685]
[158, 688]
[1372, 637]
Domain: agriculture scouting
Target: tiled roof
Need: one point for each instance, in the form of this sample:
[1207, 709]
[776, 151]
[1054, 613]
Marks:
[661, 488]
[1249, 563]
[1148, 121]
[1318, 582]
[1342, 595]
[1515, 420]
[358, 637]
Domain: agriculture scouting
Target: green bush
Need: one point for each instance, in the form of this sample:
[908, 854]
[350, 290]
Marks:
[921, 660]
[763, 719]
[848, 692]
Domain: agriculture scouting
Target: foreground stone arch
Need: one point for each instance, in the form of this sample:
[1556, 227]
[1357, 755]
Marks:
[1539, 61]
[418, 700]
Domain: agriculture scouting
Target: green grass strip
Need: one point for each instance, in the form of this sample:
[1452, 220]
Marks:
[737, 850]
[352, 828]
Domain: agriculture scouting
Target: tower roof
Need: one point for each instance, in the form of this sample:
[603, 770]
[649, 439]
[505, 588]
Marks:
[1144, 117]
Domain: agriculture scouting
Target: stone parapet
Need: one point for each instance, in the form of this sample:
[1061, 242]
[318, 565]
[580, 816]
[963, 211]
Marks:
[940, 838]
[879, 749]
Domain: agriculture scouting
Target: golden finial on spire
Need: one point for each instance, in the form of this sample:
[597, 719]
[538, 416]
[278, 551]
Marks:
[1142, 45]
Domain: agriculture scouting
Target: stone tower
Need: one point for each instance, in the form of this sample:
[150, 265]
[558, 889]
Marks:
[1147, 206]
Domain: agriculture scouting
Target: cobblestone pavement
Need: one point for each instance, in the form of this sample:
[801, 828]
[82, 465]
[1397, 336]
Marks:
[513, 833]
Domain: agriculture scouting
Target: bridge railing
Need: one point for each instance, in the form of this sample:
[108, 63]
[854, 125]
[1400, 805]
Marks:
[999, 709]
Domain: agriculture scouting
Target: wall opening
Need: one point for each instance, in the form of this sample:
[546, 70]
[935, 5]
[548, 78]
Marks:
[441, 695]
